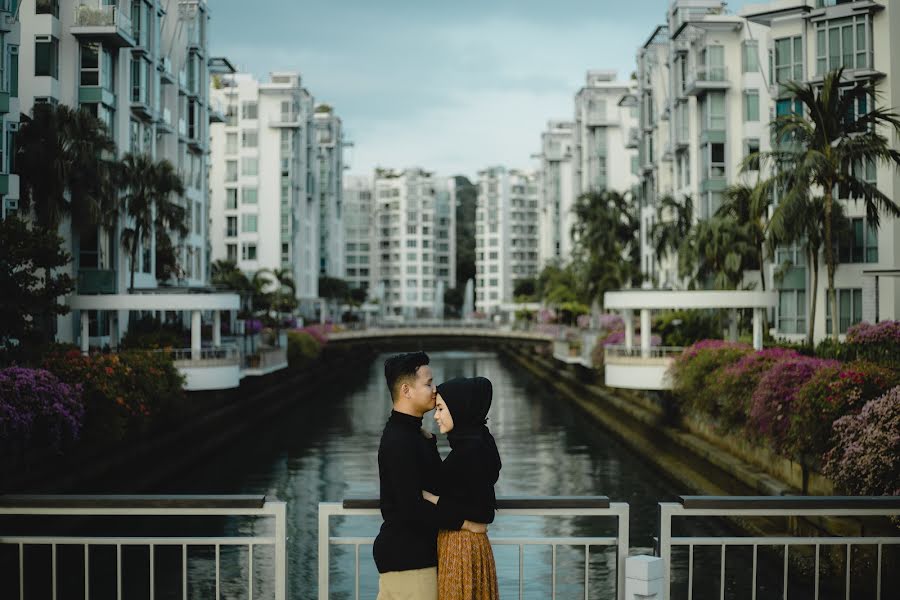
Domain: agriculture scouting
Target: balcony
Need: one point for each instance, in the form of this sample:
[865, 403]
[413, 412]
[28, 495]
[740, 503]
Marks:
[634, 139]
[96, 281]
[208, 368]
[705, 79]
[165, 70]
[97, 22]
[285, 119]
[164, 124]
[216, 111]
[596, 118]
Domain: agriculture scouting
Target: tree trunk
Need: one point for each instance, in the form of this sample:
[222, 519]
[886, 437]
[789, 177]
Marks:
[829, 262]
[811, 324]
[762, 271]
[134, 247]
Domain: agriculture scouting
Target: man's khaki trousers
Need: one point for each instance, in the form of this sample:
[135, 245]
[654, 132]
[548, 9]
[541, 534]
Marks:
[418, 584]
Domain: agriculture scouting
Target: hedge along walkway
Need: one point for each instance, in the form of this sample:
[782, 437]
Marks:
[147, 463]
[701, 466]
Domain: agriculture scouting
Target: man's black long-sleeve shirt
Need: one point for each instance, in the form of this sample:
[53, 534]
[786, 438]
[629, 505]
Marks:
[407, 464]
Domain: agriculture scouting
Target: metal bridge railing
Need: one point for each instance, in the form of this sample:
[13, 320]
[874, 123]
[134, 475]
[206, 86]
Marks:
[590, 506]
[773, 506]
[169, 510]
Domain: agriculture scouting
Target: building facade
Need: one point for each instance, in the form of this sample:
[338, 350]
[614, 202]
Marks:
[808, 39]
[506, 235]
[414, 241]
[359, 232]
[142, 68]
[10, 39]
[265, 201]
[330, 173]
[603, 118]
[556, 192]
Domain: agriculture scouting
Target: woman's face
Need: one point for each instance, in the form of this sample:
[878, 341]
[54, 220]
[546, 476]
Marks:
[442, 415]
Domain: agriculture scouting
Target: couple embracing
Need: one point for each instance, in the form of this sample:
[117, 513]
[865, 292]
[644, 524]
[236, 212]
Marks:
[433, 543]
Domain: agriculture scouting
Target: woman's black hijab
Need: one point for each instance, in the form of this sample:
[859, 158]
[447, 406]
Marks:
[468, 399]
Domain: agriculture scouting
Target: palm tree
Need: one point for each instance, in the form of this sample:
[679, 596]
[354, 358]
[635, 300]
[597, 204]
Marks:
[147, 202]
[63, 159]
[719, 248]
[749, 208]
[284, 296]
[673, 225]
[828, 149]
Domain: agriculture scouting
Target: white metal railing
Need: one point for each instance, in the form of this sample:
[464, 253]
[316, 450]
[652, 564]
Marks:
[204, 356]
[637, 352]
[593, 506]
[715, 73]
[772, 506]
[91, 13]
[160, 509]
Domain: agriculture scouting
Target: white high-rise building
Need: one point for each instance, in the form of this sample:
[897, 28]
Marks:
[9, 108]
[506, 235]
[359, 232]
[415, 241]
[330, 175]
[556, 195]
[265, 207]
[143, 68]
[604, 116]
[806, 39]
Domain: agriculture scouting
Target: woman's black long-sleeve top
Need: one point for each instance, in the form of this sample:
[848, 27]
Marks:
[467, 478]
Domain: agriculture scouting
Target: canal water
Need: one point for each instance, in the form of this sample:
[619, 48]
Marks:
[326, 450]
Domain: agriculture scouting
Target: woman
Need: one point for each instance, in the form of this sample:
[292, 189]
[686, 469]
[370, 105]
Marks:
[466, 569]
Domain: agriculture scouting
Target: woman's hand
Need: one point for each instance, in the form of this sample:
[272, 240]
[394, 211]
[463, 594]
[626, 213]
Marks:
[430, 497]
[474, 527]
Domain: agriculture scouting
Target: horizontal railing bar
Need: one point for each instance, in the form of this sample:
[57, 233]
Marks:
[793, 502]
[547, 541]
[511, 502]
[132, 501]
[782, 541]
[137, 541]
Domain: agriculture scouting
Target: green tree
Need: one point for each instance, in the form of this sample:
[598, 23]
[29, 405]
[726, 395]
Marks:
[65, 167]
[334, 289]
[284, 296]
[829, 148]
[466, 199]
[149, 187]
[607, 251]
[719, 249]
[558, 284]
[29, 300]
[674, 220]
[748, 207]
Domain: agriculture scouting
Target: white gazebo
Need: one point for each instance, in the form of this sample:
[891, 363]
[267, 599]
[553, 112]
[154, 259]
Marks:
[626, 367]
[203, 368]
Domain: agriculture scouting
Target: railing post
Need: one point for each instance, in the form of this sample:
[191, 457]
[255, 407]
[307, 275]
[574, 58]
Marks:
[280, 550]
[644, 579]
[665, 544]
[324, 543]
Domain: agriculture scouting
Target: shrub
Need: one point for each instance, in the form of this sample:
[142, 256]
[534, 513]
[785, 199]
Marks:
[685, 327]
[879, 343]
[831, 393]
[771, 406]
[865, 459]
[610, 322]
[123, 393]
[734, 384]
[150, 333]
[37, 410]
[302, 349]
[695, 369]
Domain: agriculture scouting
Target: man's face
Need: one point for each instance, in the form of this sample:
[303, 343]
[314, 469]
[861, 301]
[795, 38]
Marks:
[422, 390]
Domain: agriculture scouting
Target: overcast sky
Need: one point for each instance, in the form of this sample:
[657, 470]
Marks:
[449, 86]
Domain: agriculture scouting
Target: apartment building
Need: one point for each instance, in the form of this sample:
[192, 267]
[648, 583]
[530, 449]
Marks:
[330, 173]
[556, 192]
[265, 203]
[604, 115]
[704, 101]
[141, 67]
[358, 232]
[506, 235]
[414, 241]
[806, 40]
[9, 106]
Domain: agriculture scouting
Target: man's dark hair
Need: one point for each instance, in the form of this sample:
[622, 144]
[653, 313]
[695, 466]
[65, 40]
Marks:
[402, 367]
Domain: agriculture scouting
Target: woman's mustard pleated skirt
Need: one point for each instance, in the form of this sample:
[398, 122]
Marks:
[466, 569]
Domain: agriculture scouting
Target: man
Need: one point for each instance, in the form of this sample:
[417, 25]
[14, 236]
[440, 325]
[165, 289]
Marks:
[408, 462]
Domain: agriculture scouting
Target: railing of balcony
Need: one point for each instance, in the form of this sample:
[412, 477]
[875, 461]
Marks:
[709, 73]
[792, 546]
[92, 13]
[599, 507]
[637, 352]
[205, 357]
[47, 522]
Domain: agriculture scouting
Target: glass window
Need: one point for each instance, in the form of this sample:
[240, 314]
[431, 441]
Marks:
[231, 252]
[231, 170]
[751, 146]
[249, 139]
[46, 7]
[231, 198]
[792, 311]
[248, 110]
[871, 244]
[46, 57]
[842, 43]
[90, 64]
[231, 146]
[789, 59]
[750, 56]
[849, 309]
[751, 105]
[249, 223]
[249, 166]
[249, 195]
[248, 251]
[231, 227]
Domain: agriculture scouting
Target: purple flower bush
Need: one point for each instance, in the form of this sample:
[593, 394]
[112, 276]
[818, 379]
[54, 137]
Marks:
[772, 400]
[611, 322]
[618, 338]
[733, 385]
[696, 369]
[252, 326]
[885, 332]
[865, 459]
[36, 408]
